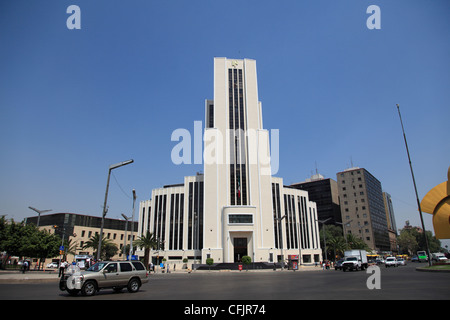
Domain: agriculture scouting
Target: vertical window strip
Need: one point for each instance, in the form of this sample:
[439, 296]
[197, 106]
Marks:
[294, 222]
[190, 215]
[176, 222]
[171, 222]
[163, 224]
[180, 245]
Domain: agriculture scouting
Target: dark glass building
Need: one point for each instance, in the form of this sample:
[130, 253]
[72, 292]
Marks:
[324, 193]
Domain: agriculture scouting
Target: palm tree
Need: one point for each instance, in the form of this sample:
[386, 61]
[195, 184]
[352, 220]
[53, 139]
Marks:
[356, 243]
[70, 248]
[108, 248]
[147, 242]
[338, 244]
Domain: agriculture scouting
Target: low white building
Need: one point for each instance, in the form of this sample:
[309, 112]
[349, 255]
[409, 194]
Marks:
[236, 207]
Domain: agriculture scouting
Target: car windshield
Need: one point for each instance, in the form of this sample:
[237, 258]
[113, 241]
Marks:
[97, 267]
[351, 259]
[390, 259]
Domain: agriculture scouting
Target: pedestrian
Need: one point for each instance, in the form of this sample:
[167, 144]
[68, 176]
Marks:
[168, 268]
[62, 268]
[24, 266]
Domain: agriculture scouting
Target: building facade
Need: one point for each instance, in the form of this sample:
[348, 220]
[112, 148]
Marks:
[324, 192]
[390, 219]
[362, 207]
[236, 207]
[80, 228]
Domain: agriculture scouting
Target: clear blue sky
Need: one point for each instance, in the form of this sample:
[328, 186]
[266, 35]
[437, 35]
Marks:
[72, 102]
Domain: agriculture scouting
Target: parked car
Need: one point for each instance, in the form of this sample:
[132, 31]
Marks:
[106, 274]
[391, 262]
[401, 262]
[338, 264]
[438, 256]
[414, 259]
[52, 265]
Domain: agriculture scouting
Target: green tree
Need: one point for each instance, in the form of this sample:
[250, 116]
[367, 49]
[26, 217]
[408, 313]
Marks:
[209, 262]
[338, 245]
[407, 242]
[108, 249]
[356, 242]
[146, 242]
[412, 240]
[246, 260]
[18, 239]
[48, 246]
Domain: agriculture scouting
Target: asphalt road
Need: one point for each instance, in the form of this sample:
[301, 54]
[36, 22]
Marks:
[402, 283]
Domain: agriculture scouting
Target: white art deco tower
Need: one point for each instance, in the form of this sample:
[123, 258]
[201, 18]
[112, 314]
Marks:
[236, 207]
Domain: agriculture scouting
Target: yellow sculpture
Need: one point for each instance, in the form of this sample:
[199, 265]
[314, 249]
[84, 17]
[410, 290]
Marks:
[437, 202]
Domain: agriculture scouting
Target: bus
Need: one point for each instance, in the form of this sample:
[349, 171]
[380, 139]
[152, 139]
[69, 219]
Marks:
[422, 256]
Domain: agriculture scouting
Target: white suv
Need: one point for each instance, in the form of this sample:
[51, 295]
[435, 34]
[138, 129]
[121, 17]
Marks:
[106, 274]
[391, 262]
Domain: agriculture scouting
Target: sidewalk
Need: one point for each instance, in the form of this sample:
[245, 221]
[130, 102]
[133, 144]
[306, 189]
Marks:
[33, 276]
[16, 276]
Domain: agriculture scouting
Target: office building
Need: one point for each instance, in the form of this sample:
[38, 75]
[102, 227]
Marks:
[362, 207]
[236, 207]
[324, 192]
[390, 219]
[80, 228]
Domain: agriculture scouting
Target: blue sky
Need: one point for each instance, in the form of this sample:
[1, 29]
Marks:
[72, 102]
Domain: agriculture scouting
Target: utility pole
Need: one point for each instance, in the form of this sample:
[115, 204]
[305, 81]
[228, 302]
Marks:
[105, 209]
[415, 188]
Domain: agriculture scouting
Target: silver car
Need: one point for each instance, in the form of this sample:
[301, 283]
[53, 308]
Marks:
[106, 274]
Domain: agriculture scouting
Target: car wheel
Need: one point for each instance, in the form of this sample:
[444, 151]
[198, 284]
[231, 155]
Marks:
[73, 292]
[133, 285]
[88, 288]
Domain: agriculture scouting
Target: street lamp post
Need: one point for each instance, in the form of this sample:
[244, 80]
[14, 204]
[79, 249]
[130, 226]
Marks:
[132, 225]
[125, 238]
[111, 167]
[343, 229]
[324, 237]
[282, 253]
[39, 213]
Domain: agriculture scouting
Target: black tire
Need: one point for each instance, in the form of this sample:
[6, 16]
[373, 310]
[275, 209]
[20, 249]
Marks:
[73, 292]
[89, 288]
[133, 285]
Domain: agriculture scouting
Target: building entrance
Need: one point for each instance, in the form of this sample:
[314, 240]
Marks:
[240, 248]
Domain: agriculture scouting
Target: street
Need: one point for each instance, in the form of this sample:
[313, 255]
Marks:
[401, 283]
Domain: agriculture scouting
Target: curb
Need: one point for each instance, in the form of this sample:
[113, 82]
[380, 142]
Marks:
[426, 269]
[27, 281]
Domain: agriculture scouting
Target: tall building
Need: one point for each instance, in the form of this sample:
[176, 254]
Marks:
[236, 207]
[390, 219]
[324, 192]
[362, 207]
